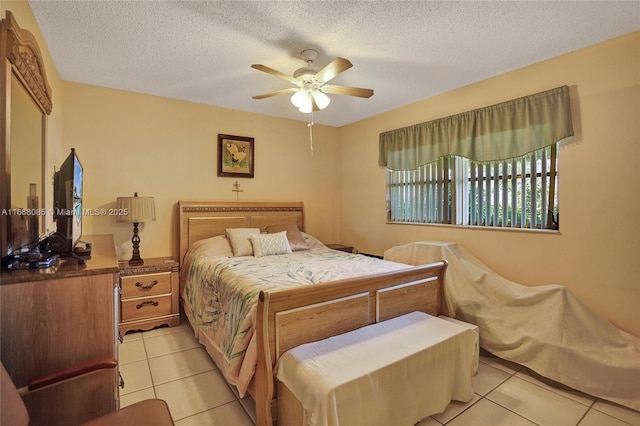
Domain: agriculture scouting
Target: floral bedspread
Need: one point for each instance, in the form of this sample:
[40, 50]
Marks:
[222, 294]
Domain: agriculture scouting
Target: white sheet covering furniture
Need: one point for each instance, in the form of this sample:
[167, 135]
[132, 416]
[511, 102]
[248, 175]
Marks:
[476, 329]
[544, 328]
[395, 372]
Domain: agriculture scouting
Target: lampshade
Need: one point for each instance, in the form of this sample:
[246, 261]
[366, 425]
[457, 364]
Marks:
[321, 99]
[135, 209]
[300, 98]
[307, 106]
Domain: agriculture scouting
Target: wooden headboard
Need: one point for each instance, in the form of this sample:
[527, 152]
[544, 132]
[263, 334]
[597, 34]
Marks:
[205, 219]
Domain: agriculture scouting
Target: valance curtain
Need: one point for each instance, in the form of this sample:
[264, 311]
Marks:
[506, 130]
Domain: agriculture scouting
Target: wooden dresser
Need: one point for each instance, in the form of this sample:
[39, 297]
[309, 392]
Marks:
[55, 318]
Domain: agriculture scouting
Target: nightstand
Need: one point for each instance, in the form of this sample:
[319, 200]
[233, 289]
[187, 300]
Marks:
[348, 249]
[149, 294]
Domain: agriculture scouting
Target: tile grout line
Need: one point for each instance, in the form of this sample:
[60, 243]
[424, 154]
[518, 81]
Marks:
[146, 354]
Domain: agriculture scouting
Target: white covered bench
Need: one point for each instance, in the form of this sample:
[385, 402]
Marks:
[395, 372]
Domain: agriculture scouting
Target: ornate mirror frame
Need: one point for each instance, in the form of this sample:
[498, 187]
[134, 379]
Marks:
[22, 59]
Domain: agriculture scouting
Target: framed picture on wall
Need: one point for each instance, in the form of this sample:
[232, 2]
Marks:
[235, 156]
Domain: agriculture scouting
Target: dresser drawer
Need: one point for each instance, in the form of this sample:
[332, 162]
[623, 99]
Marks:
[145, 307]
[146, 285]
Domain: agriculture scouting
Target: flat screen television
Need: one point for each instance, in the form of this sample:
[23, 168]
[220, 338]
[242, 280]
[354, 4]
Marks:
[67, 201]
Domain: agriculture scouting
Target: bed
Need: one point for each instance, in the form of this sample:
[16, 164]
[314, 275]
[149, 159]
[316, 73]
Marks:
[247, 327]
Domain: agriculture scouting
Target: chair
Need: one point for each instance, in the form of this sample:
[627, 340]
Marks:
[13, 412]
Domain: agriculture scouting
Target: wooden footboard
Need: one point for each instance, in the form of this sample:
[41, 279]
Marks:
[291, 317]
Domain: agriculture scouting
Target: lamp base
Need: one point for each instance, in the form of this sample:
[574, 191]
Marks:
[136, 260]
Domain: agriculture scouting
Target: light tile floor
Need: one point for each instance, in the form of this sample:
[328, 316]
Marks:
[170, 364]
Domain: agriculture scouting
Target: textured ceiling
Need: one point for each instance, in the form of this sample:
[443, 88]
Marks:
[201, 51]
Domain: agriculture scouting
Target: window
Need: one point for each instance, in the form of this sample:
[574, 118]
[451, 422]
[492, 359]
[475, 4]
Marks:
[516, 193]
[494, 166]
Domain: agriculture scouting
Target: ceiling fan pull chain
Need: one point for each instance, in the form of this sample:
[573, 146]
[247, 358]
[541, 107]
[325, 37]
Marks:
[310, 125]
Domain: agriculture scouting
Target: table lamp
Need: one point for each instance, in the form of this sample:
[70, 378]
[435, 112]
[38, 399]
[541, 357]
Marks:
[136, 210]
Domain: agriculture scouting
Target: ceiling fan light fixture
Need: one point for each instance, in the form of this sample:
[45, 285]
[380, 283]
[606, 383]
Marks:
[311, 92]
[303, 100]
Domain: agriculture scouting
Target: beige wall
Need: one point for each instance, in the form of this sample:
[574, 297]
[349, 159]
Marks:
[128, 142]
[167, 149]
[596, 254]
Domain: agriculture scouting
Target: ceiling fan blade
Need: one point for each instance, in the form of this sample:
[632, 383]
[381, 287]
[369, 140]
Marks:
[273, 72]
[332, 69]
[348, 91]
[278, 92]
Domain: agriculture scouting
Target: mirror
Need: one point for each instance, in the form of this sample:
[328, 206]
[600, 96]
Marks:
[26, 98]
[26, 164]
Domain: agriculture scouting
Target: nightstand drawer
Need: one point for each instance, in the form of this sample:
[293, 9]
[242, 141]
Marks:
[146, 307]
[146, 285]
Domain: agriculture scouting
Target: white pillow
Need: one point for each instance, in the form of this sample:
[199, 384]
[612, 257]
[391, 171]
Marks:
[239, 238]
[270, 244]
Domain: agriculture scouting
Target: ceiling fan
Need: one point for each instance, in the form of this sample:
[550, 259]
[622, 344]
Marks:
[310, 93]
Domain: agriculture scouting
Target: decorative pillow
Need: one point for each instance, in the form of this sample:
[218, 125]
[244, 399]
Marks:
[239, 238]
[296, 240]
[270, 244]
